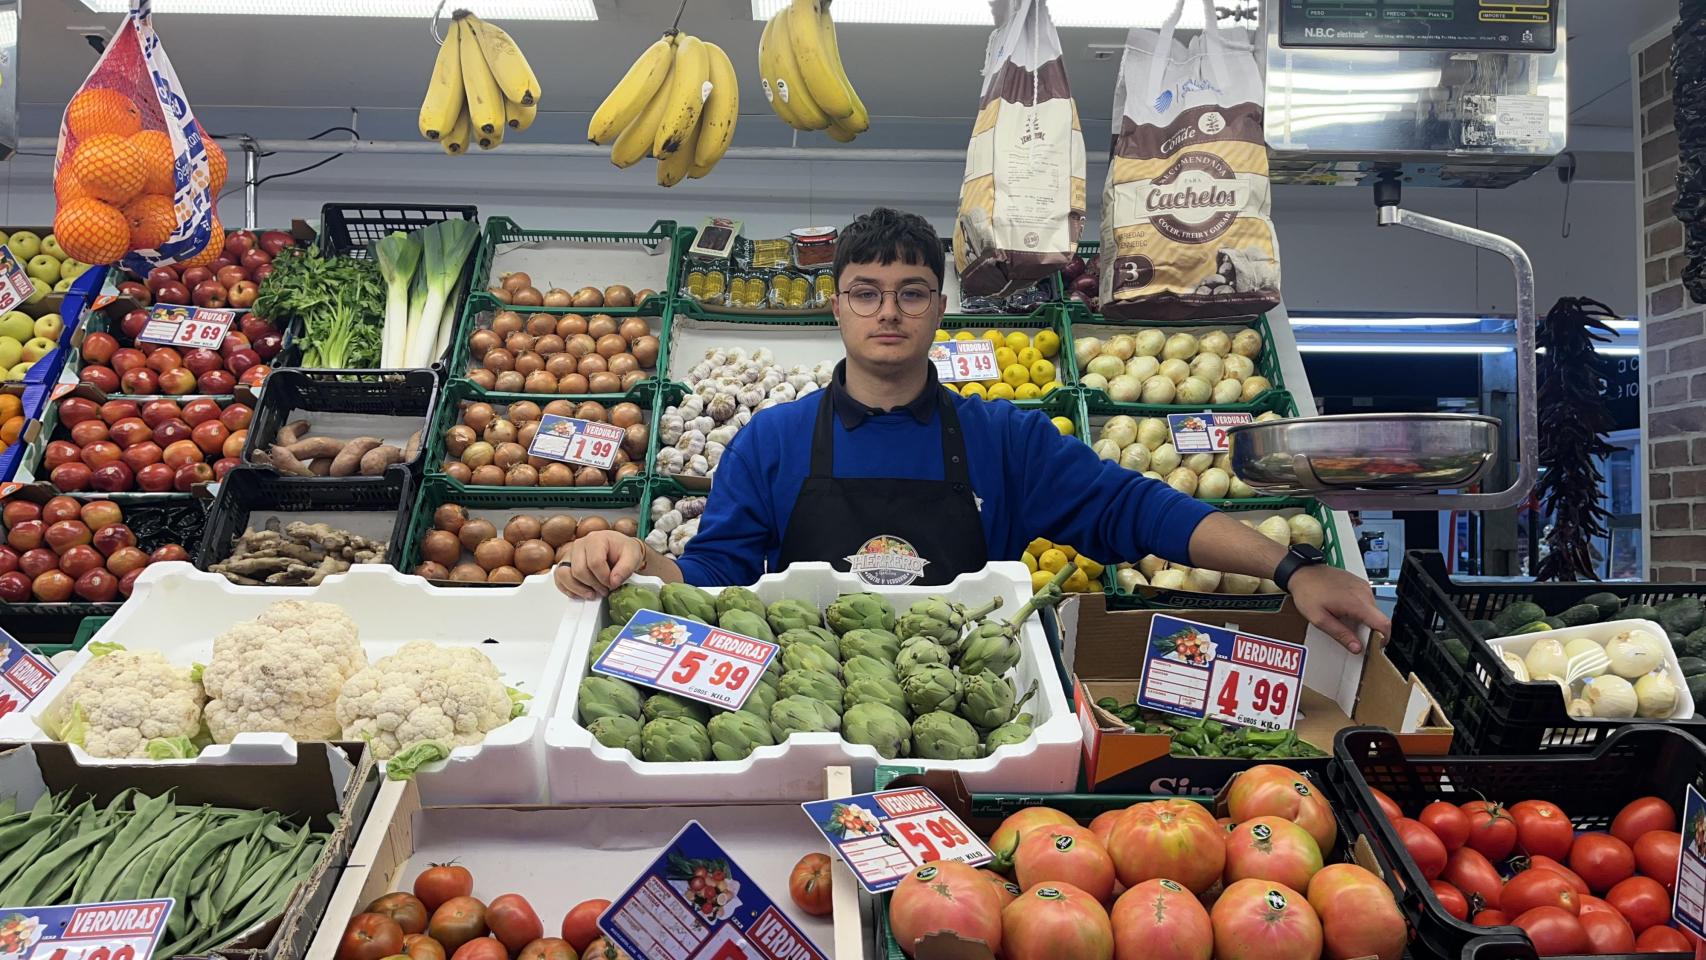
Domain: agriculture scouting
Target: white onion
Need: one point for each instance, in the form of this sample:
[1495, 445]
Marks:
[1208, 366]
[1587, 659]
[1306, 529]
[1270, 415]
[1094, 381]
[1224, 462]
[1168, 580]
[1203, 580]
[1198, 462]
[1106, 449]
[1212, 484]
[1121, 430]
[1175, 370]
[1238, 583]
[1086, 349]
[1179, 346]
[1135, 457]
[1635, 652]
[1610, 696]
[1183, 480]
[1158, 389]
[1237, 367]
[1655, 695]
[1142, 367]
[1195, 390]
[1152, 432]
[1216, 342]
[1514, 664]
[1239, 490]
[1275, 529]
[1268, 586]
[1151, 565]
[1129, 580]
[1107, 366]
[1152, 475]
[1227, 391]
[1150, 342]
[1120, 347]
[1247, 343]
[1164, 458]
[1253, 388]
[1124, 389]
[1546, 658]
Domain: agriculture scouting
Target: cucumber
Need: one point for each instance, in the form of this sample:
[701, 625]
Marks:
[1608, 604]
[1538, 626]
[1691, 666]
[1697, 690]
[1515, 615]
[1483, 628]
[1692, 645]
[1638, 611]
[1683, 614]
[1579, 614]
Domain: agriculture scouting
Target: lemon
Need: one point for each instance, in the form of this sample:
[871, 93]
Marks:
[974, 389]
[1030, 561]
[1017, 340]
[1047, 342]
[1052, 560]
[964, 335]
[1029, 355]
[994, 336]
[1036, 547]
[1051, 385]
[1027, 391]
[1040, 579]
[1005, 358]
[1015, 375]
[1042, 371]
[1076, 583]
[941, 335]
[1069, 551]
[1001, 391]
[952, 386]
[1064, 425]
[1090, 567]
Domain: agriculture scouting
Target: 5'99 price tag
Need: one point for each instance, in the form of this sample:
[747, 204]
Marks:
[680, 656]
[188, 328]
[962, 360]
[883, 836]
[585, 442]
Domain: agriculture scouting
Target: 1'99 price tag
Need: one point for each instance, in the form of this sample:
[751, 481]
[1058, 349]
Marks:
[584, 442]
[190, 328]
[962, 360]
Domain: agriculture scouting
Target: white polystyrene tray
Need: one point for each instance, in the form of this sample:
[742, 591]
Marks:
[579, 769]
[792, 344]
[572, 264]
[178, 610]
[1600, 633]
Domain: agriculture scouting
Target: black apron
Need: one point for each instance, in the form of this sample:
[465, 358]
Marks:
[888, 531]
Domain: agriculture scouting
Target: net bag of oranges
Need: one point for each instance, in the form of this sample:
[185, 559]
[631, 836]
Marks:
[136, 177]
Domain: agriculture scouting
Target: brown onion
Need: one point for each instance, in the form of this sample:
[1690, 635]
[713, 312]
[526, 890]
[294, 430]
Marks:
[631, 378]
[483, 378]
[635, 440]
[633, 328]
[627, 470]
[457, 470]
[499, 360]
[529, 362]
[499, 294]
[540, 381]
[558, 297]
[627, 525]
[622, 364]
[482, 340]
[540, 324]
[625, 415]
[563, 552]
[604, 382]
[591, 524]
[489, 475]
[518, 341]
[431, 571]
[522, 475]
[441, 547]
[561, 408]
[498, 431]
[533, 556]
[600, 324]
[475, 532]
[573, 383]
[558, 530]
[611, 344]
[644, 294]
[527, 432]
[557, 475]
[505, 575]
[618, 295]
[591, 477]
[509, 382]
[528, 297]
[516, 281]
[457, 438]
[478, 454]
[589, 297]
[478, 415]
[508, 455]
[559, 365]
[592, 410]
[468, 572]
[549, 345]
[645, 350]
[592, 363]
[521, 527]
[494, 552]
[506, 322]
[581, 344]
[570, 325]
[522, 411]
[449, 516]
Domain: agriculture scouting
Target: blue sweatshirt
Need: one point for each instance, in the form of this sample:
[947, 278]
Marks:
[1032, 480]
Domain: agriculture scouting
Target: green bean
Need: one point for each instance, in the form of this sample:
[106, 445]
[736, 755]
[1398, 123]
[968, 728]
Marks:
[268, 871]
[179, 878]
[265, 907]
[17, 833]
[27, 852]
[151, 821]
[27, 883]
[130, 874]
[153, 882]
[45, 804]
[8, 804]
[238, 863]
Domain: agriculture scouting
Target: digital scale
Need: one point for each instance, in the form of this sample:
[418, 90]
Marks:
[1525, 25]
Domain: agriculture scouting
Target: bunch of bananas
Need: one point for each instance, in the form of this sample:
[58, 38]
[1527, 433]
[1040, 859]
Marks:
[799, 64]
[481, 85]
[678, 103]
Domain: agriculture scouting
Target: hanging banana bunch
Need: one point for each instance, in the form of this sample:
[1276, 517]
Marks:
[481, 88]
[799, 64]
[678, 103]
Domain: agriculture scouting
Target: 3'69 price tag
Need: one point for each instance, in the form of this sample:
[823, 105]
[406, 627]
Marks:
[187, 327]
[126, 930]
[882, 836]
[585, 442]
[961, 360]
[684, 657]
[1202, 671]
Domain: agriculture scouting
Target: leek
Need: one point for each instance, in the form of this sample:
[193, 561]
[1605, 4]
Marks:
[447, 323]
[398, 255]
[445, 247]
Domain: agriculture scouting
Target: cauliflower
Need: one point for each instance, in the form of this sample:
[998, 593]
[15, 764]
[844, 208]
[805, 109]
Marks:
[424, 692]
[121, 701]
[282, 671]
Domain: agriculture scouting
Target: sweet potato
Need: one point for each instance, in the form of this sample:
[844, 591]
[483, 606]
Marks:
[287, 463]
[348, 459]
[374, 462]
[412, 449]
[291, 432]
[313, 448]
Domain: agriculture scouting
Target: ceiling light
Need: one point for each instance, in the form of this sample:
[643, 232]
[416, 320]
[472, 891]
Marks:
[422, 9]
[1334, 119]
[1282, 80]
[1066, 13]
[1629, 324]
[1297, 321]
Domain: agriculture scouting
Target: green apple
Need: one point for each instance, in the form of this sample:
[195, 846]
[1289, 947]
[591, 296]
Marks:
[19, 369]
[50, 246]
[11, 351]
[18, 326]
[37, 347]
[43, 267]
[41, 290]
[25, 245]
[70, 269]
[63, 286]
[49, 326]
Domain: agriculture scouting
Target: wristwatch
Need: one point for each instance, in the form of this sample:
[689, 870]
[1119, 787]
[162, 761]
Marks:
[1300, 556]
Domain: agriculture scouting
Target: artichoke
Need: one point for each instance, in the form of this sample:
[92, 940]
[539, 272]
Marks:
[609, 633]
[992, 647]
[863, 666]
[920, 652]
[931, 688]
[747, 624]
[929, 628]
[607, 697]
[669, 705]
[987, 700]
[790, 614]
[804, 656]
[629, 599]
[957, 614]
[875, 690]
[682, 600]
[734, 735]
[598, 648]
[854, 611]
[879, 726]
[811, 683]
[944, 736]
[674, 740]
[871, 643]
[738, 598]
[793, 715]
[816, 636]
[939, 620]
[759, 701]
[1017, 730]
[622, 733]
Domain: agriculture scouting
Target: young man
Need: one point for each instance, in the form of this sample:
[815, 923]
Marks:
[887, 474]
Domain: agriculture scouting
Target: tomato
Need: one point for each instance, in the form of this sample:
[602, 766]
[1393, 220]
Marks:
[809, 884]
[602, 949]
[419, 946]
[1469, 871]
[1537, 888]
[1555, 931]
[1656, 855]
[370, 936]
[1424, 847]
[1607, 932]
[1492, 918]
[547, 948]
[457, 921]
[1602, 860]
[513, 922]
[1448, 822]
[1387, 805]
[1664, 940]
[580, 924]
[481, 948]
[1640, 816]
[1643, 902]
[408, 911]
[1451, 898]
[1492, 832]
[1541, 862]
[1543, 828]
[440, 882]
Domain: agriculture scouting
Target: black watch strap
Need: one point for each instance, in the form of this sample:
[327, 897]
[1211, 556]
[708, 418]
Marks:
[1299, 556]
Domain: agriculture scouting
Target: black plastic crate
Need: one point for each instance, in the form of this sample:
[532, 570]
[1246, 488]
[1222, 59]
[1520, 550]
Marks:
[1492, 710]
[299, 394]
[346, 229]
[1634, 761]
[248, 490]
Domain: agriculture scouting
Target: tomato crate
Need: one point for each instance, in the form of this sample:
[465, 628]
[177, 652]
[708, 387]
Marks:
[392, 405]
[481, 312]
[1434, 635]
[1634, 761]
[377, 508]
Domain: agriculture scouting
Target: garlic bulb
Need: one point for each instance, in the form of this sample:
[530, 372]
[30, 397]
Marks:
[1635, 652]
[1587, 659]
[1610, 696]
[1655, 695]
[1546, 659]
[1514, 664]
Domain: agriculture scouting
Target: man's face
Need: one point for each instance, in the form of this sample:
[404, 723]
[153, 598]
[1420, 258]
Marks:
[890, 338]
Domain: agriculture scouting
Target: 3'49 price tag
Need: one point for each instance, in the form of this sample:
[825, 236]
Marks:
[1203, 671]
[190, 328]
[961, 360]
[126, 930]
[1203, 432]
[680, 656]
[882, 836]
[585, 442]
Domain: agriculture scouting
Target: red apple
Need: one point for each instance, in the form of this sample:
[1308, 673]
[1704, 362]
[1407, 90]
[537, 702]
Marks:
[131, 431]
[127, 583]
[53, 586]
[263, 271]
[14, 587]
[154, 478]
[255, 258]
[196, 275]
[201, 360]
[99, 347]
[112, 536]
[210, 436]
[116, 477]
[216, 381]
[239, 242]
[220, 263]
[136, 291]
[273, 241]
[140, 381]
[70, 476]
[177, 382]
[254, 327]
[100, 453]
[89, 431]
[268, 346]
[128, 359]
[17, 511]
[162, 359]
[173, 293]
[99, 377]
[236, 416]
[8, 559]
[180, 453]
[25, 535]
[159, 411]
[233, 446]
[191, 474]
[242, 294]
[75, 410]
[225, 465]
[115, 410]
[61, 508]
[80, 559]
[255, 375]
[240, 360]
[60, 451]
[234, 341]
[33, 563]
[161, 275]
[171, 430]
[208, 294]
[141, 455]
[133, 323]
[199, 410]
[168, 552]
[66, 534]
[96, 586]
[100, 513]
[125, 559]
[227, 276]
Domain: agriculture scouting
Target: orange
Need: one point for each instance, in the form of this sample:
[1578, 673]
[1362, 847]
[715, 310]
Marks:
[92, 231]
[96, 111]
[65, 185]
[152, 220]
[10, 406]
[109, 168]
[9, 430]
[211, 252]
[216, 164]
[156, 149]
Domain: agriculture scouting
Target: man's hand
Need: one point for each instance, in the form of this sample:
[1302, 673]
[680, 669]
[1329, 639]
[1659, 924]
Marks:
[1329, 597]
[599, 563]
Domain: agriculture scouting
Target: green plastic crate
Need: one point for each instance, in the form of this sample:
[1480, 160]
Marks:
[438, 490]
[478, 313]
[1267, 363]
[1051, 317]
[86, 631]
[503, 234]
[1097, 411]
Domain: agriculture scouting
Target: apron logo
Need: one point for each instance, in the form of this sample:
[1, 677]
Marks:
[885, 561]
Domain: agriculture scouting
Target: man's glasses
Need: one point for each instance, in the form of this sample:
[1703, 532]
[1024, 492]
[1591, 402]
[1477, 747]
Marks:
[914, 300]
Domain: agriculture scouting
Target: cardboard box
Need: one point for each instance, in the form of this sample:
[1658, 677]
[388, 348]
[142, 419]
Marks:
[324, 781]
[1108, 662]
[557, 856]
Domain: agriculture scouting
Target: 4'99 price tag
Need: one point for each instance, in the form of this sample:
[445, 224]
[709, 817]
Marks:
[882, 836]
[189, 328]
[585, 442]
[680, 656]
[126, 930]
[961, 360]
[1206, 672]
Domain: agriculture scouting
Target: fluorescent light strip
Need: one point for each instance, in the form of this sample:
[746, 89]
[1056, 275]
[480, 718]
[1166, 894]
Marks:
[1066, 13]
[1297, 321]
[1624, 324]
[1411, 348]
[1334, 119]
[422, 9]
[1280, 81]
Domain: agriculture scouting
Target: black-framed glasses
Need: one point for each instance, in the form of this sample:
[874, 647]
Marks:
[913, 299]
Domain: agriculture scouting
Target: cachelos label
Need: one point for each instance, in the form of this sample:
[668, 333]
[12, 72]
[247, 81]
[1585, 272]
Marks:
[885, 561]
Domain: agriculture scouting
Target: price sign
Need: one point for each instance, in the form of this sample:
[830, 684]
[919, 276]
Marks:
[126, 930]
[189, 328]
[1208, 672]
[23, 677]
[679, 656]
[882, 836]
[1688, 904]
[577, 441]
[694, 901]
[1203, 432]
[960, 360]
[15, 285]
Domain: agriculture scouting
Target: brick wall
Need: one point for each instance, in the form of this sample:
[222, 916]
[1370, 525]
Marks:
[1674, 363]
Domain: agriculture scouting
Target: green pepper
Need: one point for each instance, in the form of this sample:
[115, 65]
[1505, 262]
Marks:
[1178, 749]
[1212, 750]
[1109, 704]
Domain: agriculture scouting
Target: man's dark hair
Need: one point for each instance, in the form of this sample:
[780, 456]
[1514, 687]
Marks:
[884, 236]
